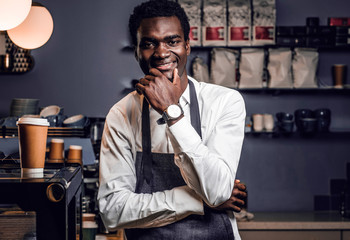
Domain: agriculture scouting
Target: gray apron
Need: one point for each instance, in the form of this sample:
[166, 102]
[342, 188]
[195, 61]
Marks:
[158, 172]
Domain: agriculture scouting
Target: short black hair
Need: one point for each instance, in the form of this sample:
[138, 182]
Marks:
[157, 8]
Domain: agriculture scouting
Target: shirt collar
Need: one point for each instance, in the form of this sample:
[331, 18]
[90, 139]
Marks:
[185, 97]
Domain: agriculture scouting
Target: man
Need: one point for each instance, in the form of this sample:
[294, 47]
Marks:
[170, 151]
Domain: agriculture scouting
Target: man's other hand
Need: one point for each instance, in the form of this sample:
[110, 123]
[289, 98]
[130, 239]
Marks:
[237, 200]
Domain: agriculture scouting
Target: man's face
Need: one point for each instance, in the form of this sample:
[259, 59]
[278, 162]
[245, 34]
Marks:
[161, 45]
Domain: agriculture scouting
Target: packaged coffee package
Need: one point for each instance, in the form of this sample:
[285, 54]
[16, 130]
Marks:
[280, 68]
[224, 67]
[251, 68]
[304, 65]
[239, 23]
[193, 12]
[214, 23]
[200, 70]
[264, 22]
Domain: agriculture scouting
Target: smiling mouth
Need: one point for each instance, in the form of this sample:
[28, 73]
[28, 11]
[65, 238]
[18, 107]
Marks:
[165, 66]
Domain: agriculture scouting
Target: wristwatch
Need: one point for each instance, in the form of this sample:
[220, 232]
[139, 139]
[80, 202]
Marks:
[172, 112]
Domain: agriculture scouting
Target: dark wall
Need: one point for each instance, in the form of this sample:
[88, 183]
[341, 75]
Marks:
[85, 69]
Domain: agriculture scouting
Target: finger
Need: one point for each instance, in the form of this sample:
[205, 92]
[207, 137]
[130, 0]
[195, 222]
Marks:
[238, 202]
[237, 181]
[176, 77]
[236, 209]
[155, 72]
[239, 194]
[241, 186]
[140, 88]
[149, 78]
[144, 81]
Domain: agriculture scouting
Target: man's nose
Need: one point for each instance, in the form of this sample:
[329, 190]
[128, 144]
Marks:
[161, 51]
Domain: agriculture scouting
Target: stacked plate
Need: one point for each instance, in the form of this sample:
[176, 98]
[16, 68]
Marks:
[24, 106]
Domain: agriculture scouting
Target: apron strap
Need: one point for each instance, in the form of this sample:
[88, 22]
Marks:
[194, 109]
[146, 165]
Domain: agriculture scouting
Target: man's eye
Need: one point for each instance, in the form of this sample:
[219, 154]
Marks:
[173, 42]
[147, 45]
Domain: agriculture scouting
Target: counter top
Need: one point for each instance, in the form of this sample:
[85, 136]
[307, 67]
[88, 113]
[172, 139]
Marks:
[296, 221]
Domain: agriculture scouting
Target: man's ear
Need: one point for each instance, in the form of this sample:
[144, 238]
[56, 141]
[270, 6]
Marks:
[188, 47]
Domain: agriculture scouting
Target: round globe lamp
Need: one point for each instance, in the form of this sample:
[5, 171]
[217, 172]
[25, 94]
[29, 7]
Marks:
[13, 13]
[35, 30]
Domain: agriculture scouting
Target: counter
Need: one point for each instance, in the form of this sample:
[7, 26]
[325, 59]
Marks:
[296, 225]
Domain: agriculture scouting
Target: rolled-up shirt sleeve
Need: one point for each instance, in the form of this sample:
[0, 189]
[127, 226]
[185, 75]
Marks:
[119, 205]
[209, 165]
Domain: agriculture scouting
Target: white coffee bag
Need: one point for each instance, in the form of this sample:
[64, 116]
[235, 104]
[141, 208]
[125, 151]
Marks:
[251, 68]
[239, 23]
[193, 12]
[214, 23]
[264, 22]
[304, 65]
[224, 66]
[280, 68]
[200, 70]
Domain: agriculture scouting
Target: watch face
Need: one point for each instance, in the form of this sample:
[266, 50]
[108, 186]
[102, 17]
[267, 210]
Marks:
[174, 111]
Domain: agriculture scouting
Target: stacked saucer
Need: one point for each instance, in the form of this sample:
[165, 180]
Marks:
[23, 106]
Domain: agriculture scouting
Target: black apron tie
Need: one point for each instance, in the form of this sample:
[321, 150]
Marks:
[146, 142]
[194, 110]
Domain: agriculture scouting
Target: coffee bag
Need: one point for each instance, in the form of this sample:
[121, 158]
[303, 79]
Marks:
[264, 22]
[239, 23]
[214, 23]
[193, 12]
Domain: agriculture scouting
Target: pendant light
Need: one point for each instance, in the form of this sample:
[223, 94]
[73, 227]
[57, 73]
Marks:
[35, 30]
[13, 13]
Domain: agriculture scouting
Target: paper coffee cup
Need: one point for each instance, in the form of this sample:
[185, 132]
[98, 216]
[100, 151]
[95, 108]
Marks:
[339, 75]
[56, 153]
[32, 134]
[75, 154]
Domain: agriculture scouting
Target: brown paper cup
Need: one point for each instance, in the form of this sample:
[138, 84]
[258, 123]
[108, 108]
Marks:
[75, 154]
[32, 133]
[56, 153]
[339, 74]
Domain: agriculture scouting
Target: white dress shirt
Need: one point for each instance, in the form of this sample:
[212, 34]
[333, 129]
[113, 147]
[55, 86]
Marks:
[207, 165]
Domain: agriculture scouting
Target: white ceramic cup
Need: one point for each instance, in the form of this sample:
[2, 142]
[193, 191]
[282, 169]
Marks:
[258, 122]
[269, 122]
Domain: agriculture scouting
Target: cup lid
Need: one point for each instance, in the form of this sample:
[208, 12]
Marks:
[77, 147]
[33, 121]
